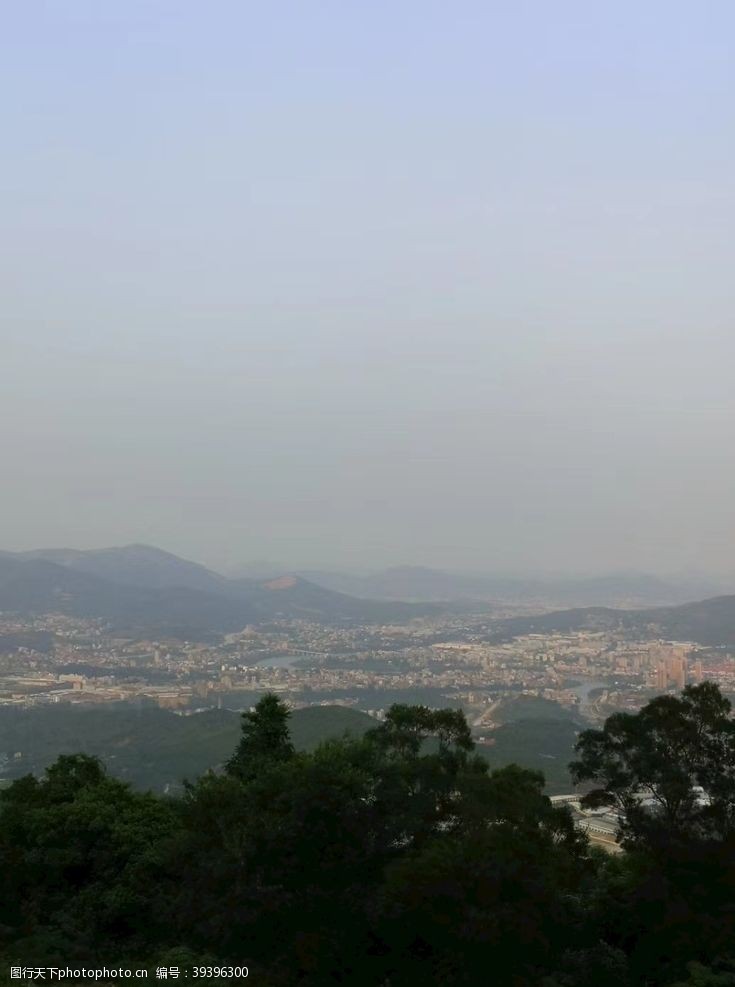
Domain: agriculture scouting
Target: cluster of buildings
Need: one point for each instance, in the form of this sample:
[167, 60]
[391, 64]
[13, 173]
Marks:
[458, 660]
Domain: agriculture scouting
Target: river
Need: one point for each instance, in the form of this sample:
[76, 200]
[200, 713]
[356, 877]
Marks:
[583, 690]
[280, 661]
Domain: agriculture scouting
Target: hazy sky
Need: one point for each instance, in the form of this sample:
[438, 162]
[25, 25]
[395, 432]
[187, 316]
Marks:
[360, 283]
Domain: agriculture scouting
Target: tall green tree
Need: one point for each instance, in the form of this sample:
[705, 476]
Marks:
[493, 891]
[669, 769]
[265, 738]
[80, 862]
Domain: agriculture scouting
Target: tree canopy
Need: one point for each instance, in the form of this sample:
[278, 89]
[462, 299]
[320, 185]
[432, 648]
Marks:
[669, 769]
[394, 858]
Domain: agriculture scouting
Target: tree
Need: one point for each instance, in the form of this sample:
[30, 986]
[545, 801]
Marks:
[601, 965]
[497, 896]
[265, 738]
[405, 728]
[721, 974]
[79, 856]
[669, 769]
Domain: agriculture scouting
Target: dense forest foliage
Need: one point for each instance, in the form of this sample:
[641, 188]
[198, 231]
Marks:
[384, 860]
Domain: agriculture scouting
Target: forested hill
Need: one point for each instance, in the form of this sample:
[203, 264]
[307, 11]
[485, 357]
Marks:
[709, 622]
[535, 733]
[155, 748]
[144, 745]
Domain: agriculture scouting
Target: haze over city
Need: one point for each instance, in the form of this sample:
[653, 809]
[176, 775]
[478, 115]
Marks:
[356, 287]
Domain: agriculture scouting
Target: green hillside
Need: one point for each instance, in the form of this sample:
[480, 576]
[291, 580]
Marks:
[148, 746]
[532, 708]
[545, 745]
[153, 748]
[535, 733]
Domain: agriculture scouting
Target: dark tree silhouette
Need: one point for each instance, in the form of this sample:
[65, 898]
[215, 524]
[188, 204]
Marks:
[669, 769]
[265, 738]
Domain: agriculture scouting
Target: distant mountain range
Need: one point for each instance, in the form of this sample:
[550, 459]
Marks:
[141, 589]
[419, 583]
